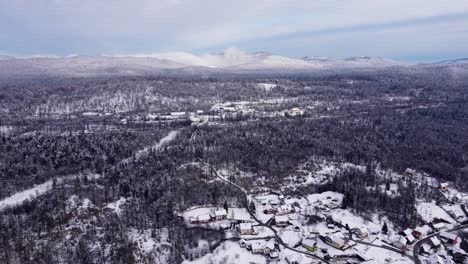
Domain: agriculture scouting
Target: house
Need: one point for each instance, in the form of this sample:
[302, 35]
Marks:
[245, 244]
[204, 218]
[274, 254]
[449, 237]
[425, 248]
[336, 240]
[178, 114]
[361, 232]
[435, 242]
[281, 220]
[444, 186]
[439, 226]
[269, 210]
[409, 236]
[246, 229]
[456, 214]
[400, 242]
[416, 234]
[285, 209]
[220, 214]
[263, 247]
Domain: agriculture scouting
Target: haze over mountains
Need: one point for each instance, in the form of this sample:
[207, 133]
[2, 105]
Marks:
[231, 60]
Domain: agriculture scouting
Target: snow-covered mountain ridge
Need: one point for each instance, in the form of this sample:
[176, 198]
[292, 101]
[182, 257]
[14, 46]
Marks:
[230, 60]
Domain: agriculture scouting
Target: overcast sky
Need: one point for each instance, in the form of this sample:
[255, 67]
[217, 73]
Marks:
[418, 30]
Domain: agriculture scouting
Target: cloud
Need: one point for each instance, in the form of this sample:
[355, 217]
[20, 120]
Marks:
[132, 26]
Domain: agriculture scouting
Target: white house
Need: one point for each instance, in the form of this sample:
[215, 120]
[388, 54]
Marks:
[439, 226]
[336, 240]
[281, 220]
[435, 242]
[221, 214]
[285, 209]
[400, 242]
[246, 229]
[449, 237]
[263, 247]
[204, 218]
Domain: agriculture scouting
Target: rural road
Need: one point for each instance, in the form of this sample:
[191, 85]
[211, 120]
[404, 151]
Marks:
[278, 238]
[418, 244]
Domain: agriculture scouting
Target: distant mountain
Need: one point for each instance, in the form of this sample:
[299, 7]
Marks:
[83, 66]
[456, 61]
[229, 61]
[356, 62]
[236, 59]
[5, 57]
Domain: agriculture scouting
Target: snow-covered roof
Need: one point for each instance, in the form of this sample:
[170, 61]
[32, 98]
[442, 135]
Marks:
[338, 238]
[245, 226]
[410, 238]
[424, 230]
[257, 245]
[447, 235]
[439, 225]
[426, 247]
[285, 208]
[408, 231]
[281, 218]
[402, 240]
[262, 244]
[435, 241]
[221, 212]
[204, 217]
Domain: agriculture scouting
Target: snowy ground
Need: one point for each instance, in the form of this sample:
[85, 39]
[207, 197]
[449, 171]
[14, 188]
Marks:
[380, 255]
[345, 217]
[430, 211]
[116, 206]
[29, 194]
[229, 253]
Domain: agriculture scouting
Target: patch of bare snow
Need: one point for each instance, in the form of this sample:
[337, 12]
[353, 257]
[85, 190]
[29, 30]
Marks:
[116, 206]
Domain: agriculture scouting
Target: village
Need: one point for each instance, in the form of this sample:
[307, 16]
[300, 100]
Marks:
[278, 228]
